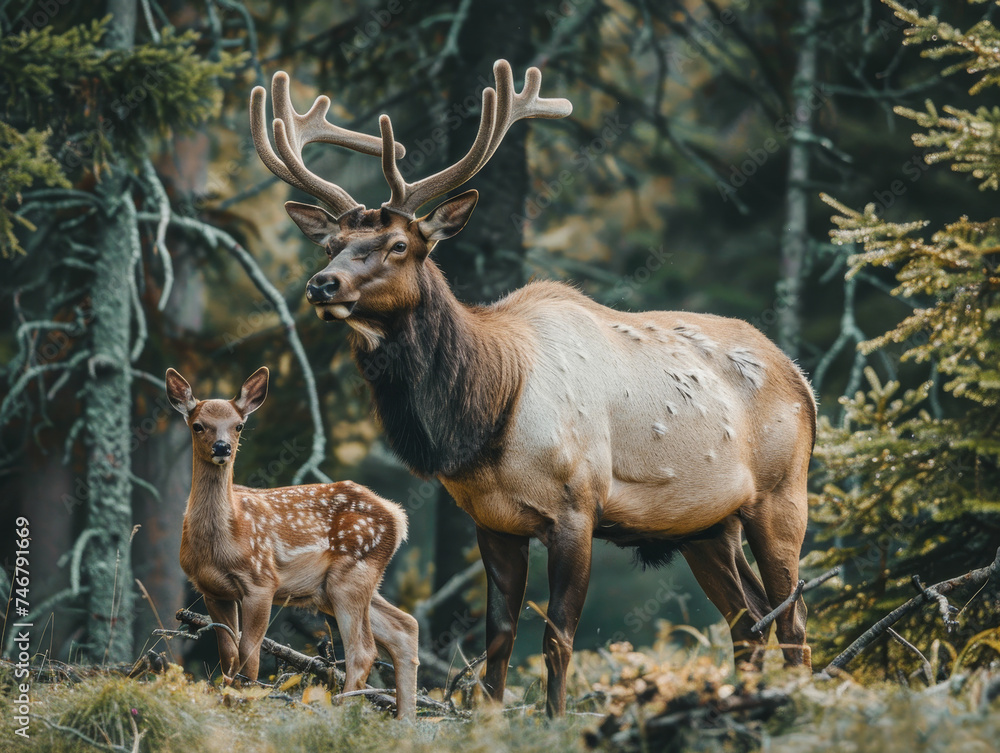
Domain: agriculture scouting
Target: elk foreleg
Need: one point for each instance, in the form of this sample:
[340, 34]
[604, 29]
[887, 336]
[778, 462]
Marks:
[505, 558]
[569, 544]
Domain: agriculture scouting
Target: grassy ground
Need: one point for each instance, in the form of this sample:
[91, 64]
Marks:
[171, 713]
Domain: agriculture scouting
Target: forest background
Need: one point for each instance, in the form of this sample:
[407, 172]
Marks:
[141, 231]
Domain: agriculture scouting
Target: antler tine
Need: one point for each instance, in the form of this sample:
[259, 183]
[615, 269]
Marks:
[258, 131]
[292, 131]
[527, 104]
[506, 108]
[389, 167]
[408, 197]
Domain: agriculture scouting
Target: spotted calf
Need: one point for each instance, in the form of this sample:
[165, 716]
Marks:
[319, 546]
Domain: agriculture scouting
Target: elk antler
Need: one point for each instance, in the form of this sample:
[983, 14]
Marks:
[501, 108]
[293, 130]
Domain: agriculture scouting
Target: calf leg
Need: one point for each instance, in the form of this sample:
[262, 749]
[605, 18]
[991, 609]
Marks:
[396, 631]
[256, 613]
[225, 613]
[350, 592]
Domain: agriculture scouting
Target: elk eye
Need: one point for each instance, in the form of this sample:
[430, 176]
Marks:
[239, 427]
[399, 247]
[198, 428]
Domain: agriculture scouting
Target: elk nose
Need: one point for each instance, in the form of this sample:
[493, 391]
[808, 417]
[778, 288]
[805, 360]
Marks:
[322, 288]
[222, 449]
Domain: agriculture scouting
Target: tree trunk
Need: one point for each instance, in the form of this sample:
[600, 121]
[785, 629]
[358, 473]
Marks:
[107, 399]
[795, 238]
[487, 258]
[107, 570]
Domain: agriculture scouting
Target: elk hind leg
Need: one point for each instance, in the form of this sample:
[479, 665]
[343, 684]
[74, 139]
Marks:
[722, 571]
[776, 528]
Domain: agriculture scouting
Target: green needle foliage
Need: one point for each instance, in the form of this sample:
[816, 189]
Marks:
[95, 103]
[911, 479]
[24, 160]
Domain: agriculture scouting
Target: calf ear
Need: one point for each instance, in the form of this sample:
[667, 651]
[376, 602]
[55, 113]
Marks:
[317, 223]
[253, 393]
[179, 393]
[448, 218]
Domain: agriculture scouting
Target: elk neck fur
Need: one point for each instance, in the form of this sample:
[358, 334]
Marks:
[446, 377]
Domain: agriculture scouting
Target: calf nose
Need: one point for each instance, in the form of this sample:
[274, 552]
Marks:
[322, 288]
[222, 449]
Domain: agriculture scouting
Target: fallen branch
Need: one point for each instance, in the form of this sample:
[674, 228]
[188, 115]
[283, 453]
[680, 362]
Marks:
[313, 665]
[453, 682]
[800, 589]
[688, 716]
[933, 593]
[321, 668]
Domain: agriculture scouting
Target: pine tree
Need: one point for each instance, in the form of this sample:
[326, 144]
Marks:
[82, 110]
[911, 481]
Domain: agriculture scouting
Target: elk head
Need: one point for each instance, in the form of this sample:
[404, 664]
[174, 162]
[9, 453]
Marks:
[216, 424]
[377, 255]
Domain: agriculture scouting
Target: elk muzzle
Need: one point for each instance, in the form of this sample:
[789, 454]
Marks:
[328, 294]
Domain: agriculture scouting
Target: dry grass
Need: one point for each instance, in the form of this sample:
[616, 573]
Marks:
[175, 714]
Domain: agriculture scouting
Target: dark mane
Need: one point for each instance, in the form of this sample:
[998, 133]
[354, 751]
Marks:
[443, 386]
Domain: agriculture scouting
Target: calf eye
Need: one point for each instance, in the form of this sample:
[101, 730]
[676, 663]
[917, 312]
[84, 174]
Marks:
[198, 428]
[399, 247]
[239, 427]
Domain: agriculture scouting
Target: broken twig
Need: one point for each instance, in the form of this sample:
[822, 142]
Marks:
[975, 577]
[800, 589]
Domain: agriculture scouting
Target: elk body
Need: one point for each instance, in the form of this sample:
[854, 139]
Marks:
[319, 546]
[549, 416]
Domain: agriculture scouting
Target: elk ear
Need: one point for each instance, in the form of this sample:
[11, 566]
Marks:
[317, 223]
[253, 393]
[448, 218]
[179, 393]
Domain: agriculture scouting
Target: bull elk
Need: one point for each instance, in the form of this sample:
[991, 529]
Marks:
[320, 546]
[547, 415]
